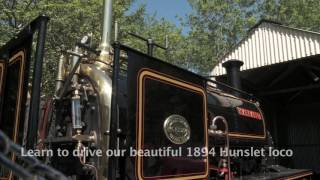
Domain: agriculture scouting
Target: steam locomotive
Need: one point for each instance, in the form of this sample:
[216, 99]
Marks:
[122, 99]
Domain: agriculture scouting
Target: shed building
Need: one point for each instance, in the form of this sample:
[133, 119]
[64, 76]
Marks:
[281, 67]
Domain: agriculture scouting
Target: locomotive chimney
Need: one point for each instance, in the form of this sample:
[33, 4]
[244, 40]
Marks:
[233, 73]
[105, 45]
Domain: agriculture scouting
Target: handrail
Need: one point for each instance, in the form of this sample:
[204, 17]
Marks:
[230, 87]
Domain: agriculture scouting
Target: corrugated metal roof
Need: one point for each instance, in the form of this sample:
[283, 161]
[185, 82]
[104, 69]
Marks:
[271, 43]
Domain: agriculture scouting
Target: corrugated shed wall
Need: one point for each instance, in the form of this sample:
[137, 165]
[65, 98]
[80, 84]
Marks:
[298, 129]
[270, 44]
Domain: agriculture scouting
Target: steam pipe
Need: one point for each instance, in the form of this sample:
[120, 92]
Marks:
[116, 31]
[61, 74]
[105, 45]
[69, 78]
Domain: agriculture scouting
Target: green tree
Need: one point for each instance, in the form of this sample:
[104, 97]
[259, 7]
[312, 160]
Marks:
[215, 26]
[70, 20]
[302, 14]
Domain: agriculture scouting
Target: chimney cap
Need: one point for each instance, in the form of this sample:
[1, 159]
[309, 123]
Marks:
[232, 63]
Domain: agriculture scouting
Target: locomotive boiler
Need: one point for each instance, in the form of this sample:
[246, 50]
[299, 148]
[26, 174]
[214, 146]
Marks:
[124, 114]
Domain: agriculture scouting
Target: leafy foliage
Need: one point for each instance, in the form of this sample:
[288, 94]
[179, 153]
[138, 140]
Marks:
[72, 19]
[301, 14]
[215, 26]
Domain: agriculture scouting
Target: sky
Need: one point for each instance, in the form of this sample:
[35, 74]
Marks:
[167, 9]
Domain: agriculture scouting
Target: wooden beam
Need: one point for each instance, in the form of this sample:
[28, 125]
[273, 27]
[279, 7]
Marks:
[282, 91]
[282, 76]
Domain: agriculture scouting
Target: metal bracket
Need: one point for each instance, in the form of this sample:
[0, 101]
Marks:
[86, 138]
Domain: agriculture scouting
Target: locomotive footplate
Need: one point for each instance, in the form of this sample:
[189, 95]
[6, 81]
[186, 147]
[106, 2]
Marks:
[280, 172]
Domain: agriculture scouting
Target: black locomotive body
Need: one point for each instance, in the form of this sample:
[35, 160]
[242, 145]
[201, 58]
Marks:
[149, 119]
